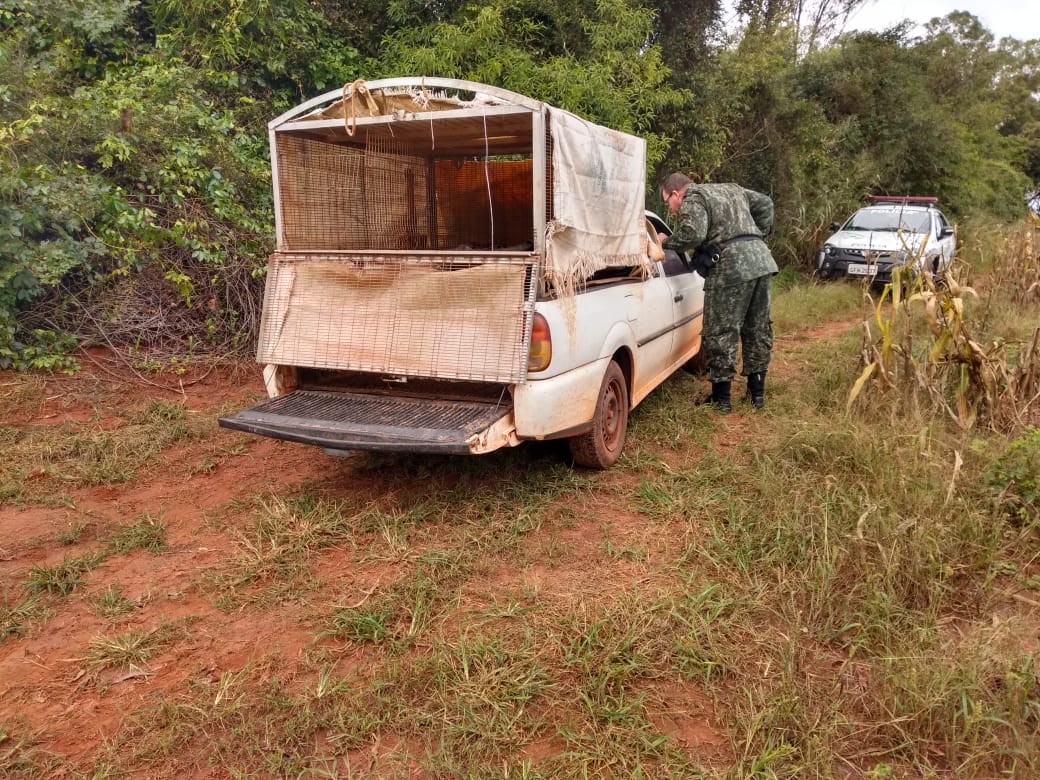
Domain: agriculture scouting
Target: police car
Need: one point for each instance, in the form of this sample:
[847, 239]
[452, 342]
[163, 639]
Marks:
[892, 231]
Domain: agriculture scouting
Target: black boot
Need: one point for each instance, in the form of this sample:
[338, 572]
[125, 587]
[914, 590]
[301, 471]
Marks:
[756, 389]
[719, 397]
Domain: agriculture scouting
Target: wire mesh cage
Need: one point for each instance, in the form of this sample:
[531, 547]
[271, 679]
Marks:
[405, 248]
[430, 315]
[385, 195]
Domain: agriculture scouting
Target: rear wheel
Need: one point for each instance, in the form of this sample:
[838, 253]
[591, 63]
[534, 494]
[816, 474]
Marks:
[600, 447]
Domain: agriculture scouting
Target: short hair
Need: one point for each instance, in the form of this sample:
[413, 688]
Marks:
[675, 182]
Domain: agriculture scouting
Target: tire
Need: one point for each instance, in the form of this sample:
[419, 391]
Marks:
[600, 447]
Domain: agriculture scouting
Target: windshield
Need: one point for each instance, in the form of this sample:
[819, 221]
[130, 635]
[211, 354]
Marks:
[891, 220]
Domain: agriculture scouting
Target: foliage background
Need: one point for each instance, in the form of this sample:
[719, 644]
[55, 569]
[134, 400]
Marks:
[135, 205]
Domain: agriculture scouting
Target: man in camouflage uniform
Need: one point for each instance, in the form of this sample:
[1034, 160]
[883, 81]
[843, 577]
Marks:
[737, 288]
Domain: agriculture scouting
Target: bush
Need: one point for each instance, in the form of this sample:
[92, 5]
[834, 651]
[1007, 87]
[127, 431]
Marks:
[1015, 477]
[133, 158]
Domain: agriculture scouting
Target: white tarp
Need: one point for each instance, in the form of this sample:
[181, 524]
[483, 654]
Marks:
[598, 199]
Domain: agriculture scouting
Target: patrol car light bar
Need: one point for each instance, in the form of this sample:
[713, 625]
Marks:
[902, 199]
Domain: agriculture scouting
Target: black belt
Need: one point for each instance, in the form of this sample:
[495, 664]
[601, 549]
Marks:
[735, 239]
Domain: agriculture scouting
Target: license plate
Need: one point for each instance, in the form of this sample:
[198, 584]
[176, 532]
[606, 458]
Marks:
[862, 269]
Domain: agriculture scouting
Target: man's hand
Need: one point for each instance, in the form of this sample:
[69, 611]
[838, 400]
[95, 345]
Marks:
[662, 236]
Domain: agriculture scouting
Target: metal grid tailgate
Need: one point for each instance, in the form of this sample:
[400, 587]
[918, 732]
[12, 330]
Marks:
[338, 420]
[424, 315]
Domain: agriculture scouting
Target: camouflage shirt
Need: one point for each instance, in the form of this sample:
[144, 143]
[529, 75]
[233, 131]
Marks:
[716, 213]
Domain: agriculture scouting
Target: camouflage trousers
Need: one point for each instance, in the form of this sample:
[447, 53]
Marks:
[737, 312]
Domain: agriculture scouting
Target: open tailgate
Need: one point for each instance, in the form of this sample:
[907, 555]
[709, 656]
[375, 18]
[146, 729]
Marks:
[365, 421]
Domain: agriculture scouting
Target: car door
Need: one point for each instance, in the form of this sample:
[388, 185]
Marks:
[687, 294]
[947, 241]
[650, 314]
[687, 289]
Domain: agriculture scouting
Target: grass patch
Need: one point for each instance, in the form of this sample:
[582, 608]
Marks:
[21, 392]
[668, 419]
[361, 624]
[17, 615]
[147, 533]
[129, 649]
[285, 533]
[809, 304]
[213, 455]
[73, 534]
[112, 603]
[45, 458]
[465, 509]
[20, 756]
[62, 578]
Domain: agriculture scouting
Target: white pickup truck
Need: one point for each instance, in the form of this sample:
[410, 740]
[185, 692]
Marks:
[459, 269]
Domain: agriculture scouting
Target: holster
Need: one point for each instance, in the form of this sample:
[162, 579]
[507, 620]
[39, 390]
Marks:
[707, 256]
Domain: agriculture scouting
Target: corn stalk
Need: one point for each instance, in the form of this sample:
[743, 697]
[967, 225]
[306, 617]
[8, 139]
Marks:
[955, 372]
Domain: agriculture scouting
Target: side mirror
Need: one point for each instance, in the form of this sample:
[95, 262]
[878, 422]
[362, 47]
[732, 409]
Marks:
[835, 226]
[946, 231]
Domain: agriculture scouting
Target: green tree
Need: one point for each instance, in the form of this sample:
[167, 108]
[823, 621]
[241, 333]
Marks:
[609, 72]
[133, 163]
[280, 51]
[981, 167]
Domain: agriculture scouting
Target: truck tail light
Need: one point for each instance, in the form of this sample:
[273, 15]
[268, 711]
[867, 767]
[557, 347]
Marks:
[540, 354]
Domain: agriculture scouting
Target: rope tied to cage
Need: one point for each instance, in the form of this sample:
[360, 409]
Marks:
[422, 97]
[357, 91]
[487, 179]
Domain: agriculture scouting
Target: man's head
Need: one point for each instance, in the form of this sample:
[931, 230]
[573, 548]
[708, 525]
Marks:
[673, 189]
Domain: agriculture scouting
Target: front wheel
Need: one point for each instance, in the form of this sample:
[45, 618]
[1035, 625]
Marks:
[600, 447]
